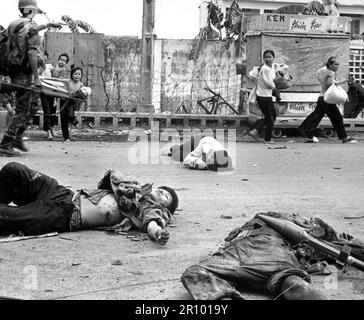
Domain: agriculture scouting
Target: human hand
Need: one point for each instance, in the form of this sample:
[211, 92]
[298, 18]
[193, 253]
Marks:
[162, 236]
[200, 165]
[346, 236]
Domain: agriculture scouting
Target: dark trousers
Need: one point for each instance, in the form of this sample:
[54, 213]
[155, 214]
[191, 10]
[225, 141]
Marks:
[23, 98]
[265, 104]
[49, 111]
[42, 205]
[180, 151]
[67, 115]
[309, 125]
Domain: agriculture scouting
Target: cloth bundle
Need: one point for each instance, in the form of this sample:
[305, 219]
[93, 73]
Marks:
[335, 95]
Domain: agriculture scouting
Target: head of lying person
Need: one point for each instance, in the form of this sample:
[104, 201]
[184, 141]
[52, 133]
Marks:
[218, 159]
[167, 196]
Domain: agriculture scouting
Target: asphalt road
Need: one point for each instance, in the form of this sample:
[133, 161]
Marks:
[325, 180]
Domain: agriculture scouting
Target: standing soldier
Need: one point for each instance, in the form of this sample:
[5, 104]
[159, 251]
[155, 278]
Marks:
[23, 63]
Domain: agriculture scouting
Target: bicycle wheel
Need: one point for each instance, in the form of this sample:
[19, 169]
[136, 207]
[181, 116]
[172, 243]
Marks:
[223, 108]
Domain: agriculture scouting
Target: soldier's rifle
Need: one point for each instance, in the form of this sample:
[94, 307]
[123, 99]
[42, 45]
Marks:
[296, 234]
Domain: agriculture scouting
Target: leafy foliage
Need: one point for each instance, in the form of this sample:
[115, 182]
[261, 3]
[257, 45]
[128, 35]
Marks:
[74, 25]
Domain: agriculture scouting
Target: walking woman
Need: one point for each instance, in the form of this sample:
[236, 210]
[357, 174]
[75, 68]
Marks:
[326, 77]
[264, 92]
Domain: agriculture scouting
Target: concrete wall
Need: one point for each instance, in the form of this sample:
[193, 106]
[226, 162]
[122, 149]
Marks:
[122, 73]
[115, 82]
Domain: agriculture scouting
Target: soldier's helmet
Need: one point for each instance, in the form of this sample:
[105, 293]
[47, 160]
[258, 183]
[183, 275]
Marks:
[29, 4]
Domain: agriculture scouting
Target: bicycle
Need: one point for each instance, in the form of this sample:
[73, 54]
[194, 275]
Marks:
[218, 104]
[185, 107]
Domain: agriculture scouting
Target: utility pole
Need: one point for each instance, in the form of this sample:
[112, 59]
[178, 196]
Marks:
[147, 63]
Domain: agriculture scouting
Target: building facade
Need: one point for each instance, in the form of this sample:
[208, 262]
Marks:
[348, 8]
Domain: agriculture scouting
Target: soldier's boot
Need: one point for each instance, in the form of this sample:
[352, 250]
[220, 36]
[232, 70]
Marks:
[18, 143]
[6, 150]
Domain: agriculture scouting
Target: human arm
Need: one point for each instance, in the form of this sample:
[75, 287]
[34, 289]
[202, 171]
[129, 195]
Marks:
[157, 233]
[36, 28]
[153, 218]
[9, 108]
[341, 81]
[330, 78]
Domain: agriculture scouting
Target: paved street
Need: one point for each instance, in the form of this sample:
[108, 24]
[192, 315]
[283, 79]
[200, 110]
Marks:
[325, 180]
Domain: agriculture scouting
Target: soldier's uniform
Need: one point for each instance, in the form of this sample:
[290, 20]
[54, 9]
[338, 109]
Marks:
[24, 46]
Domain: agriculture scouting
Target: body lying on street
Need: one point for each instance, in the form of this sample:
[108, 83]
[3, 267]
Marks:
[257, 257]
[32, 203]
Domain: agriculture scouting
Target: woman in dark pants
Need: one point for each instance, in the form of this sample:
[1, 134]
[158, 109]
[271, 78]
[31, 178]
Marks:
[50, 114]
[264, 92]
[326, 77]
[42, 205]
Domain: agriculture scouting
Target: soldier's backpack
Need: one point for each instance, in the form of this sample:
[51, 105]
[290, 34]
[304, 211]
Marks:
[4, 52]
[13, 48]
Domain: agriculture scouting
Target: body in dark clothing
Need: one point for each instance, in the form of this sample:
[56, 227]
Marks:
[256, 258]
[42, 205]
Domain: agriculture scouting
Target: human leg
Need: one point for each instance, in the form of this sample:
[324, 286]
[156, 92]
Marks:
[336, 119]
[12, 137]
[37, 217]
[22, 185]
[205, 285]
[23, 111]
[266, 106]
[310, 124]
[64, 121]
[48, 118]
[296, 288]
[180, 151]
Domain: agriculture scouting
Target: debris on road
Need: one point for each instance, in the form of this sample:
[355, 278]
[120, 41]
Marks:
[138, 237]
[68, 239]
[278, 147]
[21, 238]
[117, 262]
[352, 218]
[182, 189]
[225, 217]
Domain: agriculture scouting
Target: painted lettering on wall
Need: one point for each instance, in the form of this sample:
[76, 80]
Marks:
[315, 24]
[307, 24]
[298, 24]
[301, 107]
[275, 18]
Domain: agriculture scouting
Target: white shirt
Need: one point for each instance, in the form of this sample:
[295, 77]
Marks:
[205, 150]
[265, 81]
